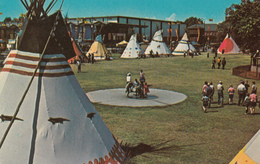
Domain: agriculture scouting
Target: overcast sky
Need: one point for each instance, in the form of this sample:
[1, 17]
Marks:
[157, 9]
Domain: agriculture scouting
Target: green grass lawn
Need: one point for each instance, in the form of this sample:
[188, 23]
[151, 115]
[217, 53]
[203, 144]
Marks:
[179, 133]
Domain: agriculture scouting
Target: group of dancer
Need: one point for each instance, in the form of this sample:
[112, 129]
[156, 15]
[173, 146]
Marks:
[249, 100]
[138, 85]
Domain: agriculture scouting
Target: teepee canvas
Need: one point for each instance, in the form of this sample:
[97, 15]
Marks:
[228, 46]
[133, 49]
[99, 49]
[157, 45]
[76, 48]
[250, 153]
[54, 122]
[183, 46]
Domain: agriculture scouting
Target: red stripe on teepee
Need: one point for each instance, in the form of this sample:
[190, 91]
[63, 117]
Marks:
[18, 56]
[37, 74]
[33, 66]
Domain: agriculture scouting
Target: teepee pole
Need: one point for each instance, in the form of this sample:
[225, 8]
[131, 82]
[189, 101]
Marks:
[26, 6]
[28, 87]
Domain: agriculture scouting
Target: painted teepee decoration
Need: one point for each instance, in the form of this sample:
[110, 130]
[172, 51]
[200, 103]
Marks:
[99, 49]
[157, 45]
[46, 115]
[228, 46]
[250, 153]
[183, 46]
[133, 49]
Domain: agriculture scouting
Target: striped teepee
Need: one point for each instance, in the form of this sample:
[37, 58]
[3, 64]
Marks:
[183, 46]
[46, 116]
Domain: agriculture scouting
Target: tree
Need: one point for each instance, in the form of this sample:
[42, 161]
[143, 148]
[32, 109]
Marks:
[7, 19]
[193, 20]
[242, 22]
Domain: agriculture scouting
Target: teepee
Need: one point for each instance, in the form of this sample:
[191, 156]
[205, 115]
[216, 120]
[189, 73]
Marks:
[183, 46]
[46, 115]
[250, 153]
[133, 49]
[228, 46]
[157, 45]
[99, 49]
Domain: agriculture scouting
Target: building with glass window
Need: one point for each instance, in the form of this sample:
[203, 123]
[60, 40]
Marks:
[117, 28]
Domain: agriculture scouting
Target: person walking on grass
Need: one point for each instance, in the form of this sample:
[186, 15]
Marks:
[241, 90]
[79, 66]
[231, 92]
[213, 63]
[213, 91]
[253, 88]
[205, 103]
[253, 101]
[220, 89]
[246, 85]
[219, 62]
[204, 88]
[247, 103]
[209, 92]
[224, 62]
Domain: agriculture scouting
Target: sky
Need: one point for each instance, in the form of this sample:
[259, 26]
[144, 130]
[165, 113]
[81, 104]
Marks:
[174, 10]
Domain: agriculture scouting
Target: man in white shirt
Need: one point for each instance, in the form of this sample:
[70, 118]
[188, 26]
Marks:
[241, 90]
[220, 89]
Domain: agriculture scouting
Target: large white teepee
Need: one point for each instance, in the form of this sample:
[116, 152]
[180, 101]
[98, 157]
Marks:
[250, 153]
[183, 46]
[133, 48]
[228, 46]
[157, 45]
[99, 49]
[56, 123]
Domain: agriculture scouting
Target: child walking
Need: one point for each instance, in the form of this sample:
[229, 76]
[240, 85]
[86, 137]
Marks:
[253, 101]
[205, 101]
[231, 92]
[247, 103]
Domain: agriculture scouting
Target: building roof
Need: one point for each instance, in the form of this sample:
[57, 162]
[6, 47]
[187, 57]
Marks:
[117, 16]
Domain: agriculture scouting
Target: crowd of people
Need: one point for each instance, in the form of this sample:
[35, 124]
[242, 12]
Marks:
[137, 85]
[247, 96]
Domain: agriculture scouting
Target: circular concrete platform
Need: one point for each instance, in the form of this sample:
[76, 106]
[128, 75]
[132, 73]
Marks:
[117, 97]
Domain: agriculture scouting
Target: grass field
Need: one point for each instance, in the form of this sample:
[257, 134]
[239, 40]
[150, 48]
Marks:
[179, 133]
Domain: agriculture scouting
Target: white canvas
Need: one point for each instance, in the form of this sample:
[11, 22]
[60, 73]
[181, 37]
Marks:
[231, 48]
[56, 93]
[183, 46]
[133, 49]
[157, 45]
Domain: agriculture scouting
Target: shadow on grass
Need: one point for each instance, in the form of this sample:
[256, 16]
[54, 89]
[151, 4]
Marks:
[160, 149]
[232, 104]
[215, 107]
[212, 111]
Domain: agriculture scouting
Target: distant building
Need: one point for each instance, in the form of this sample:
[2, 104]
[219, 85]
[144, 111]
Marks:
[117, 28]
[203, 33]
[8, 31]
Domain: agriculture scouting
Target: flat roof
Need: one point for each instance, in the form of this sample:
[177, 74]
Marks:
[150, 19]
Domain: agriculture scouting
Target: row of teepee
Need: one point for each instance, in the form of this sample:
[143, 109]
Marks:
[133, 49]
[157, 46]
